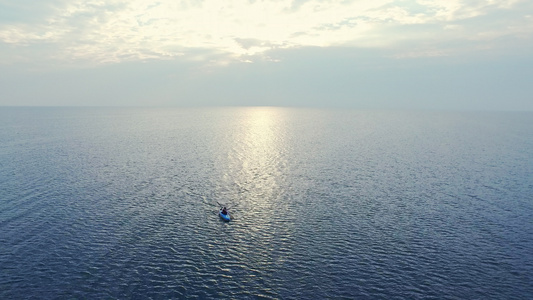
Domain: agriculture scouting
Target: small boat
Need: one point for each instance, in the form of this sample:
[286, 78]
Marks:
[225, 216]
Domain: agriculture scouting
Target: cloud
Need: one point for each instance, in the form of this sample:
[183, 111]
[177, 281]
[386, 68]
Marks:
[111, 31]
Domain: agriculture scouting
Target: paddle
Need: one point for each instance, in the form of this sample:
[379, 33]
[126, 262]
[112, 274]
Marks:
[221, 206]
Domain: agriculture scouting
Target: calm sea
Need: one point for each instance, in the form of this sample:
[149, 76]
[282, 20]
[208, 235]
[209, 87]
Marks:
[104, 203]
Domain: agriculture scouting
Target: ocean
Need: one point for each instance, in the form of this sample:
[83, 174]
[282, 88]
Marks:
[122, 203]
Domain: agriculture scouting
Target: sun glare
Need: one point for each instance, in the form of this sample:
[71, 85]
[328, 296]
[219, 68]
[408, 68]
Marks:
[254, 162]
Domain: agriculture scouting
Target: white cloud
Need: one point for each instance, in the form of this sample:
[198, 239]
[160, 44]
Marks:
[118, 30]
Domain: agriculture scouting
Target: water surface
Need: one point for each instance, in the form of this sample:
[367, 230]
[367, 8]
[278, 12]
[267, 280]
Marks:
[122, 203]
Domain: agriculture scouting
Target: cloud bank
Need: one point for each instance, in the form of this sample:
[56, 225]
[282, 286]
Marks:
[113, 31]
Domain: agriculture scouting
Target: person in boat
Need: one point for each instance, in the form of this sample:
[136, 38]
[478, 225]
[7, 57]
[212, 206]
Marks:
[224, 211]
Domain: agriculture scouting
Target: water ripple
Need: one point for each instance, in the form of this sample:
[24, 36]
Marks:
[325, 204]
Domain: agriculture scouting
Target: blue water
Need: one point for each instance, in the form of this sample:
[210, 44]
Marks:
[122, 203]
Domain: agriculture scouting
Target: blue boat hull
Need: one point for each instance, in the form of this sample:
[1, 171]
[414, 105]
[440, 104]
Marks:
[224, 217]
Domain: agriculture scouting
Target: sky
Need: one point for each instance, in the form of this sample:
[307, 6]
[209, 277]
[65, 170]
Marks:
[380, 54]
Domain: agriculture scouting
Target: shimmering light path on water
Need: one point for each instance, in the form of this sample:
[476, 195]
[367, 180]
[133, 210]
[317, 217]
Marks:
[122, 203]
